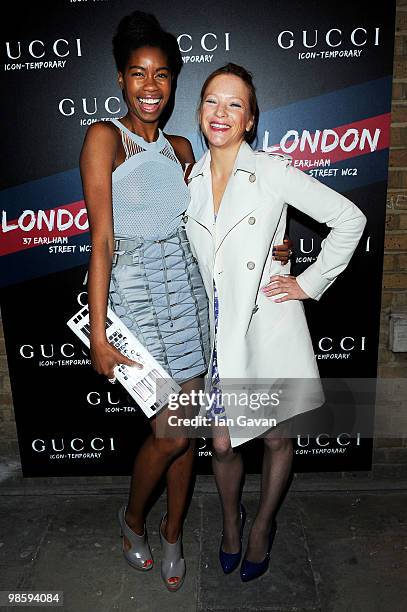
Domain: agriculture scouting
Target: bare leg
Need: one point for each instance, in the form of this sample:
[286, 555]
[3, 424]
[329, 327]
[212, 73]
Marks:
[150, 464]
[179, 476]
[227, 467]
[277, 461]
[159, 453]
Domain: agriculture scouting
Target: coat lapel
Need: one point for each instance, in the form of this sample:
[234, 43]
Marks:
[200, 207]
[238, 200]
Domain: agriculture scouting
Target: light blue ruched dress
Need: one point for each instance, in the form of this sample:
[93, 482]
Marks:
[156, 288]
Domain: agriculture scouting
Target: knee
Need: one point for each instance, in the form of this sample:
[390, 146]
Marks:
[173, 447]
[181, 445]
[278, 444]
[222, 448]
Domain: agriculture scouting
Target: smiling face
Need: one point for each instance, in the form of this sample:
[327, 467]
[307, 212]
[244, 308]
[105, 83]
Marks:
[146, 83]
[225, 114]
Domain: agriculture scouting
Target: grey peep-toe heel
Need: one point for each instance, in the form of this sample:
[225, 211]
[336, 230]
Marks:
[139, 554]
[173, 562]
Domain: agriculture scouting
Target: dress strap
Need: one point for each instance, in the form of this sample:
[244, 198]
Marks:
[168, 151]
[130, 146]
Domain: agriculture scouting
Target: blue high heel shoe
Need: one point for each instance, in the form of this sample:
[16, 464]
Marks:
[249, 570]
[230, 561]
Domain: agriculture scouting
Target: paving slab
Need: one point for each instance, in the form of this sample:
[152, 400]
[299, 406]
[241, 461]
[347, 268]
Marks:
[352, 512]
[23, 523]
[334, 552]
[358, 550]
[289, 582]
[75, 548]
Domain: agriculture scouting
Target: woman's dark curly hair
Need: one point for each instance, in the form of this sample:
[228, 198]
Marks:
[143, 30]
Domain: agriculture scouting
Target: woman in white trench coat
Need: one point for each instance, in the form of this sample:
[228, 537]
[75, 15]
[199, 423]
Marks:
[237, 213]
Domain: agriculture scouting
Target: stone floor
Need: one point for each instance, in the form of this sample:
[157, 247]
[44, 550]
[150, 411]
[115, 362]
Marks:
[335, 551]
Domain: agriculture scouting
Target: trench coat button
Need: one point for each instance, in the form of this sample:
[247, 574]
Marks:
[185, 218]
[252, 178]
[251, 265]
[252, 220]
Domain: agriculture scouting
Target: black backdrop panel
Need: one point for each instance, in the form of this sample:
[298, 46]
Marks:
[323, 75]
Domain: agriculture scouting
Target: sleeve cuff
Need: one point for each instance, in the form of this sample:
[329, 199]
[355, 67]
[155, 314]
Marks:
[313, 283]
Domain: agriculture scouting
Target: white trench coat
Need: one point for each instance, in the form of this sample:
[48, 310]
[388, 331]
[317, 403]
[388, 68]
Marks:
[256, 337]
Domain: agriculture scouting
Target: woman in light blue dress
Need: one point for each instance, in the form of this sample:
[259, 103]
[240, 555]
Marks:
[142, 265]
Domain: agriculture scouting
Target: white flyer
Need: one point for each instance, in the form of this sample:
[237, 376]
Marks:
[150, 386]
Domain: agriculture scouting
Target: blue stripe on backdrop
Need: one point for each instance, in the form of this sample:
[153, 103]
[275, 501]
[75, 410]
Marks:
[330, 110]
[336, 108]
[44, 193]
[38, 261]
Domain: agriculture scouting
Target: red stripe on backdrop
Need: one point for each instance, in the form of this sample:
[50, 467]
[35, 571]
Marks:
[337, 154]
[42, 227]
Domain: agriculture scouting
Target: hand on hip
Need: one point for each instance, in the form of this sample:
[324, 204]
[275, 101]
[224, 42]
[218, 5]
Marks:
[286, 284]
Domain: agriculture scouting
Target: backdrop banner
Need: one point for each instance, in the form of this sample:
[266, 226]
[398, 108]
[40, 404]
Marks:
[324, 77]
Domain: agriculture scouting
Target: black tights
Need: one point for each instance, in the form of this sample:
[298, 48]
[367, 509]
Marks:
[228, 470]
